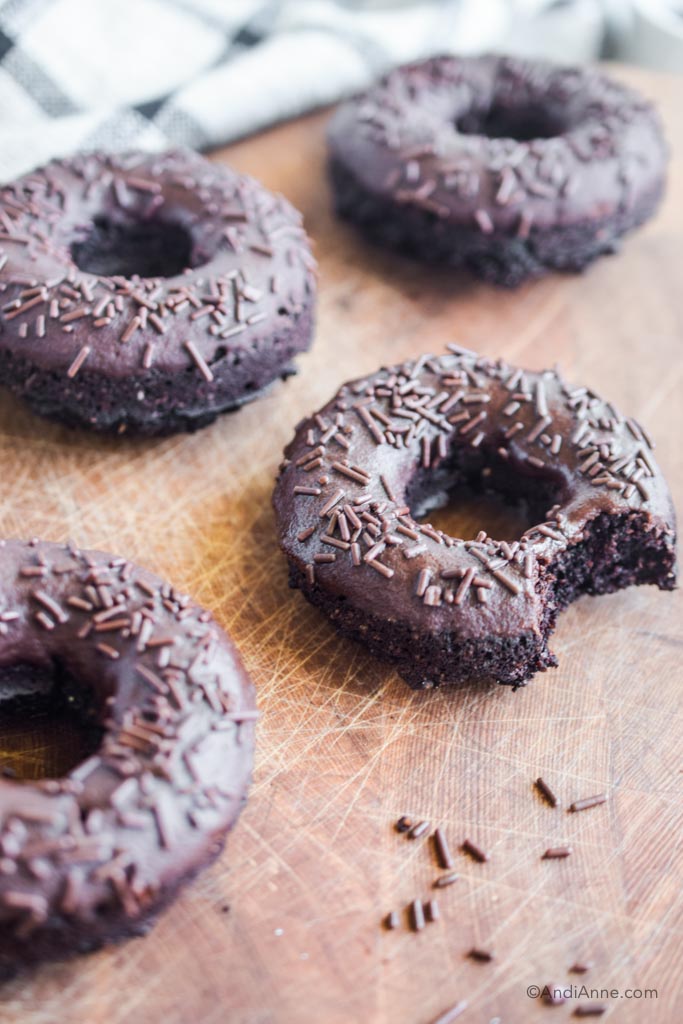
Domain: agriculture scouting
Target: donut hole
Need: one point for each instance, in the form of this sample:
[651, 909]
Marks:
[47, 722]
[154, 248]
[464, 513]
[523, 123]
[467, 494]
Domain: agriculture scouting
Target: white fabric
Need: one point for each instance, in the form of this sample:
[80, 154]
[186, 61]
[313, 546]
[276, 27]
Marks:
[81, 74]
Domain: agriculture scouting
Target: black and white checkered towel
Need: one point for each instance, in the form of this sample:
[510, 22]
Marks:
[83, 74]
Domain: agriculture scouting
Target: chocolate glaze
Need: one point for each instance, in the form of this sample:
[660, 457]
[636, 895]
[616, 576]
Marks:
[570, 157]
[91, 857]
[114, 349]
[440, 607]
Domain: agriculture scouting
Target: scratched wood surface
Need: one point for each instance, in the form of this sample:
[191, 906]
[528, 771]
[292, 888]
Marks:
[285, 926]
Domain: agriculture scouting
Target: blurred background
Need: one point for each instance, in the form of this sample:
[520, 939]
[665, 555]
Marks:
[149, 73]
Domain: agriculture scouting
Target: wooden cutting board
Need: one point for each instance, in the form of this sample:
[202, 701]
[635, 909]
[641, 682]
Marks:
[286, 926]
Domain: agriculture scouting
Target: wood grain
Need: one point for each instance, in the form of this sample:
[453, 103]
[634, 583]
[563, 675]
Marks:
[286, 926]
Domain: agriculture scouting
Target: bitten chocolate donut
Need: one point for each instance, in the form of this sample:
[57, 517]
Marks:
[148, 293]
[508, 167]
[92, 857]
[358, 473]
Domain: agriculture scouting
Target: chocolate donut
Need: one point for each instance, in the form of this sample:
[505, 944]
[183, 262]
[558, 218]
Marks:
[358, 473]
[148, 293]
[508, 167]
[91, 858]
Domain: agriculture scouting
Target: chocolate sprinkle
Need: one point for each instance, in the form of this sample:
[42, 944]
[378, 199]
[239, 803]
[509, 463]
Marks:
[483, 956]
[443, 881]
[443, 852]
[417, 915]
[431, 909]
[552, 995]
[474, 851]
[78, 361]
[545, 790]
[589, 801]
